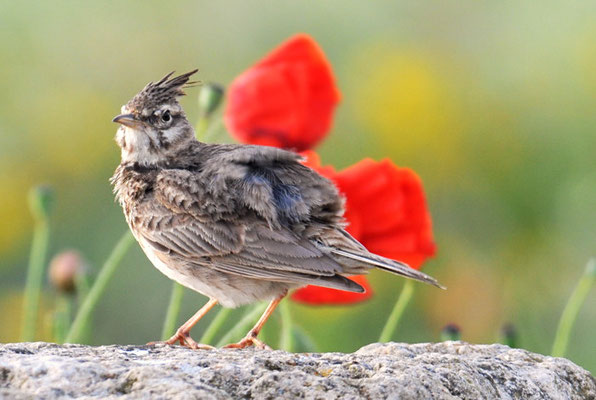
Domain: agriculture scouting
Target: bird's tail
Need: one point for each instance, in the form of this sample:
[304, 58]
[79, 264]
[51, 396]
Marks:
[387, 264]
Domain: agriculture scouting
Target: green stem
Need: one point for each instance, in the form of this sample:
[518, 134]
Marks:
[105, 274]
[303, 341]
[62, 316]
[244, 325]
[398, 310]
[83, 286]
[213, 131]
[37, 259]
[286, 340]
[173, 310]
[576, 300]
[201, 127]
[215, 325]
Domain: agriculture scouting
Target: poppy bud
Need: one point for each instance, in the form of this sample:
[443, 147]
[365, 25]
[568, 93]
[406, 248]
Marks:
[450, 332]
[509, 335]
[210, 98]
[41, 198]
[64, 270]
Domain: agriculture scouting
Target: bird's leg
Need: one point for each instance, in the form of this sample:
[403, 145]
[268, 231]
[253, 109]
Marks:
[251, 337]
[183, 333]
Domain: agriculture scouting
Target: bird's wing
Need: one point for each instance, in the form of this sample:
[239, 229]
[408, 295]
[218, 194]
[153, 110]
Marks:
[218, 231]
[272, 183]
[353, 255]
[288, 194]
[289, 217]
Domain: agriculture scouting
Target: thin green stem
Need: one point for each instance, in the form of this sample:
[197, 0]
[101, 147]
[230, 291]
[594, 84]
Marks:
[213, 131]
[215, 325]
[62, 315]
[169, 324]
[303, 341]
[244, 325]
[398, 310]
[201, 127]
[576, 300]
[286, 340]
[103, 278]
[35, 273]
[266, 332]
[83, 286]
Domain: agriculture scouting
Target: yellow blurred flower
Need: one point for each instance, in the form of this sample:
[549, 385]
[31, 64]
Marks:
[400, 96]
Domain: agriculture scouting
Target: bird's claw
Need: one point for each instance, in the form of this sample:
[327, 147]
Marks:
[248, 340]
[185, 341]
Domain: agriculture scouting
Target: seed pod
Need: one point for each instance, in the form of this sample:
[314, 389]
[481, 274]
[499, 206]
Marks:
[210, 98]
[450, 332]
[64, 269]
[509, 335]
[41, 198]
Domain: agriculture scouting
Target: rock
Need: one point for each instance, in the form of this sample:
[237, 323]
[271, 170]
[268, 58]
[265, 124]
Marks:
[448, 370]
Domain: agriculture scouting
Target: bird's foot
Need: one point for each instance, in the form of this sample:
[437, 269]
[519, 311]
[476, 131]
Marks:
[185, 341]
[249, 340]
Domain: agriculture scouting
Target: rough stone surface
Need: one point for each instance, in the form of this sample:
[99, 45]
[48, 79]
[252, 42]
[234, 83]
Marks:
[449, 370]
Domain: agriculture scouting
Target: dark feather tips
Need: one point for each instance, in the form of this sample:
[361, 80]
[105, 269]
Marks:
[162, 91]
[173, 85]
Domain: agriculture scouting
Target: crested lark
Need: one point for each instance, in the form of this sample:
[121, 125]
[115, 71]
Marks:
[236, 223]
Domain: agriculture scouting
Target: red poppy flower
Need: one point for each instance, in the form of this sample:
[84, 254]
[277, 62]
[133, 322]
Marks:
[321, 295]
[386, 211]
[286, 99]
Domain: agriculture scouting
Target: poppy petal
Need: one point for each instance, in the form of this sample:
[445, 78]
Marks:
[287, 99]
[317, 295]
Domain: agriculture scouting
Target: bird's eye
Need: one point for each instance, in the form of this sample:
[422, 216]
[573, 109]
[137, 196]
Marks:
[166, 117]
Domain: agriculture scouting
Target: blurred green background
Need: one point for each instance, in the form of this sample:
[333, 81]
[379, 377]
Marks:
[492, 103]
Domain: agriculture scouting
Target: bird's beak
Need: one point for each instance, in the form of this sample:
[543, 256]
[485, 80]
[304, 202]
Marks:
[127, 120]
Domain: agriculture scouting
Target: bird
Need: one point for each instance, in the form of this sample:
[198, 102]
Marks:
[237, 223]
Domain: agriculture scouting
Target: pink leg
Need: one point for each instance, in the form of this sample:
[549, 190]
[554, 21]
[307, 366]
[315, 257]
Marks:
[183, 333]
[251, 337]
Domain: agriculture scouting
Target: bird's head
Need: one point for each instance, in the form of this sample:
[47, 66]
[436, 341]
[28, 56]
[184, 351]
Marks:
[153, 124]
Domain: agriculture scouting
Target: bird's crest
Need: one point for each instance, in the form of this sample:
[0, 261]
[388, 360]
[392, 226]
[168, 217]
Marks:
[163, 91]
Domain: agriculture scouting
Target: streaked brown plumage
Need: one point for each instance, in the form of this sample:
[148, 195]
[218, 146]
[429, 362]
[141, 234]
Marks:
[236, 223]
